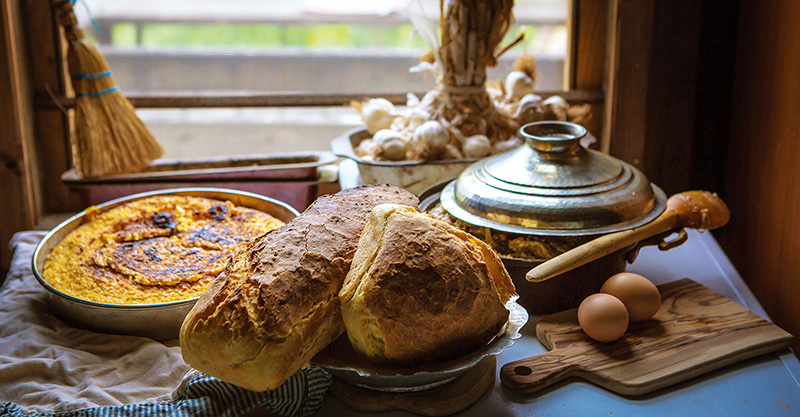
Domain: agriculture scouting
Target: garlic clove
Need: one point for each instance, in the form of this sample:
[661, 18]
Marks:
[416, 117]
[394, 149]
[377, 113]
[367, 147]
[518, 84]
[476, 146]
[392, 145]
[530, 109]
[383, 135]
[431, 135]
[555, 107]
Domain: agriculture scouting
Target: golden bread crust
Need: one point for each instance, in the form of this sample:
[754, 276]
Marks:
[275, 305]
[420, 290]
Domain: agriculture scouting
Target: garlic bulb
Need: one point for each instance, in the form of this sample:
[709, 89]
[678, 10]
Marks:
[378, 113]
[476, 146]
[367, 148]
[416, 117]
[529, 110]
[555, 107]
[392, 146]
[518, 84]
[431, 135]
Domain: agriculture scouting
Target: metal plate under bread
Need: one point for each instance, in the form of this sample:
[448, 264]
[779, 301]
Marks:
[343, 362]
[157, 321]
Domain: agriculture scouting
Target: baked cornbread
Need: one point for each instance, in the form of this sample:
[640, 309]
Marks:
[154, 250]
[275, 306]
[420, 290]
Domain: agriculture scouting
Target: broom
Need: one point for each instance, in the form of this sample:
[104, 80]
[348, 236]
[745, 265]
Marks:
[109, 137]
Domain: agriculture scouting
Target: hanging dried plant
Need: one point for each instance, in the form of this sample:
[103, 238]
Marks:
[476, 117]
[471, 32]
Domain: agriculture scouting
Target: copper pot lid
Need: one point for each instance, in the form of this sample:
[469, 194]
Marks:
[553, 186]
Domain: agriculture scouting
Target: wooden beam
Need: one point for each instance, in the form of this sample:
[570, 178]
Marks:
[51, 125]
[762, 175]
[586, 54]
[628, 67]
[652, 88]
[17, 173]
[227, 100]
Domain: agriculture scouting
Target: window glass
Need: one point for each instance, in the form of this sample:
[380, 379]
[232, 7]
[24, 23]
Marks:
[342, 46]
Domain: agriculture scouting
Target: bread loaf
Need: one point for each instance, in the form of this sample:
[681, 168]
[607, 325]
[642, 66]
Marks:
[275, 305]
[420, 290]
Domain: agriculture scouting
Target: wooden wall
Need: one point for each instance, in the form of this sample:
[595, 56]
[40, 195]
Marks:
[762, 176]
[18, 195]
[706, 95]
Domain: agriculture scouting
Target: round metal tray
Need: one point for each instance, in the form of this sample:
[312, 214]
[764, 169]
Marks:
[341, 360]
[157, 321]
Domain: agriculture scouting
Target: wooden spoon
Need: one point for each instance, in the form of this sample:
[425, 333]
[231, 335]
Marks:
[692, 209]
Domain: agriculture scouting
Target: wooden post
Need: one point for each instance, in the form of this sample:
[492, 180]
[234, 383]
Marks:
[51, 125]
[17, 173]
[586, 53]
[651, 98]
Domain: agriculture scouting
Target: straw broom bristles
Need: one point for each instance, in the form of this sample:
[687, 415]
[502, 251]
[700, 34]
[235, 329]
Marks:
[109, 136]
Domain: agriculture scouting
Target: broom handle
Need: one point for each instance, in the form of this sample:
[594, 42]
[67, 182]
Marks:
[67, 19]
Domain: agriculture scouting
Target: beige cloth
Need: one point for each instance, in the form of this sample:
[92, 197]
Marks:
[48, 366]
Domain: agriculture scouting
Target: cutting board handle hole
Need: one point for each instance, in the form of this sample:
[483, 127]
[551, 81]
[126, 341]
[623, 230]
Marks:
[523, 370]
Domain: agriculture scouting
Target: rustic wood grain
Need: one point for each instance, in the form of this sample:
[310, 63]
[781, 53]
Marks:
[51, 129]
[17, 175]
[586, 55]
[695, 331]
[232, 100]
[762, 176]
[447, 399]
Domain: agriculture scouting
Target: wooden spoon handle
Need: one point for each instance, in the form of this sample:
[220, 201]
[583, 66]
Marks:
[694, 209]
[602, 246]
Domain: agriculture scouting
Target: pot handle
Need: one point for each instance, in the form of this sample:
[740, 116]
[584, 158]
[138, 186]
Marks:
[660, 241]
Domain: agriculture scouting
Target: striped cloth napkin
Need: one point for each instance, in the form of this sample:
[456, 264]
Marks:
[50, 369]
[201, 395]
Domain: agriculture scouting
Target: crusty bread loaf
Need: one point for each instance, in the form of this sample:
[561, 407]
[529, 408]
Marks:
[275, 305]
[420, 290]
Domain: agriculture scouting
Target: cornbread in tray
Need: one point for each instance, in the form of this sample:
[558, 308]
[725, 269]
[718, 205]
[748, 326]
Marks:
[275, 306]
[154, 250]
[420, 290]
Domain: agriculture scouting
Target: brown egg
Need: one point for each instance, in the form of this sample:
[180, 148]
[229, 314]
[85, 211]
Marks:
[640, 296]
[603, 317]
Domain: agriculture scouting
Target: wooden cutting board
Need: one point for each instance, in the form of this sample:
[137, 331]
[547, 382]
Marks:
[695, 331]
